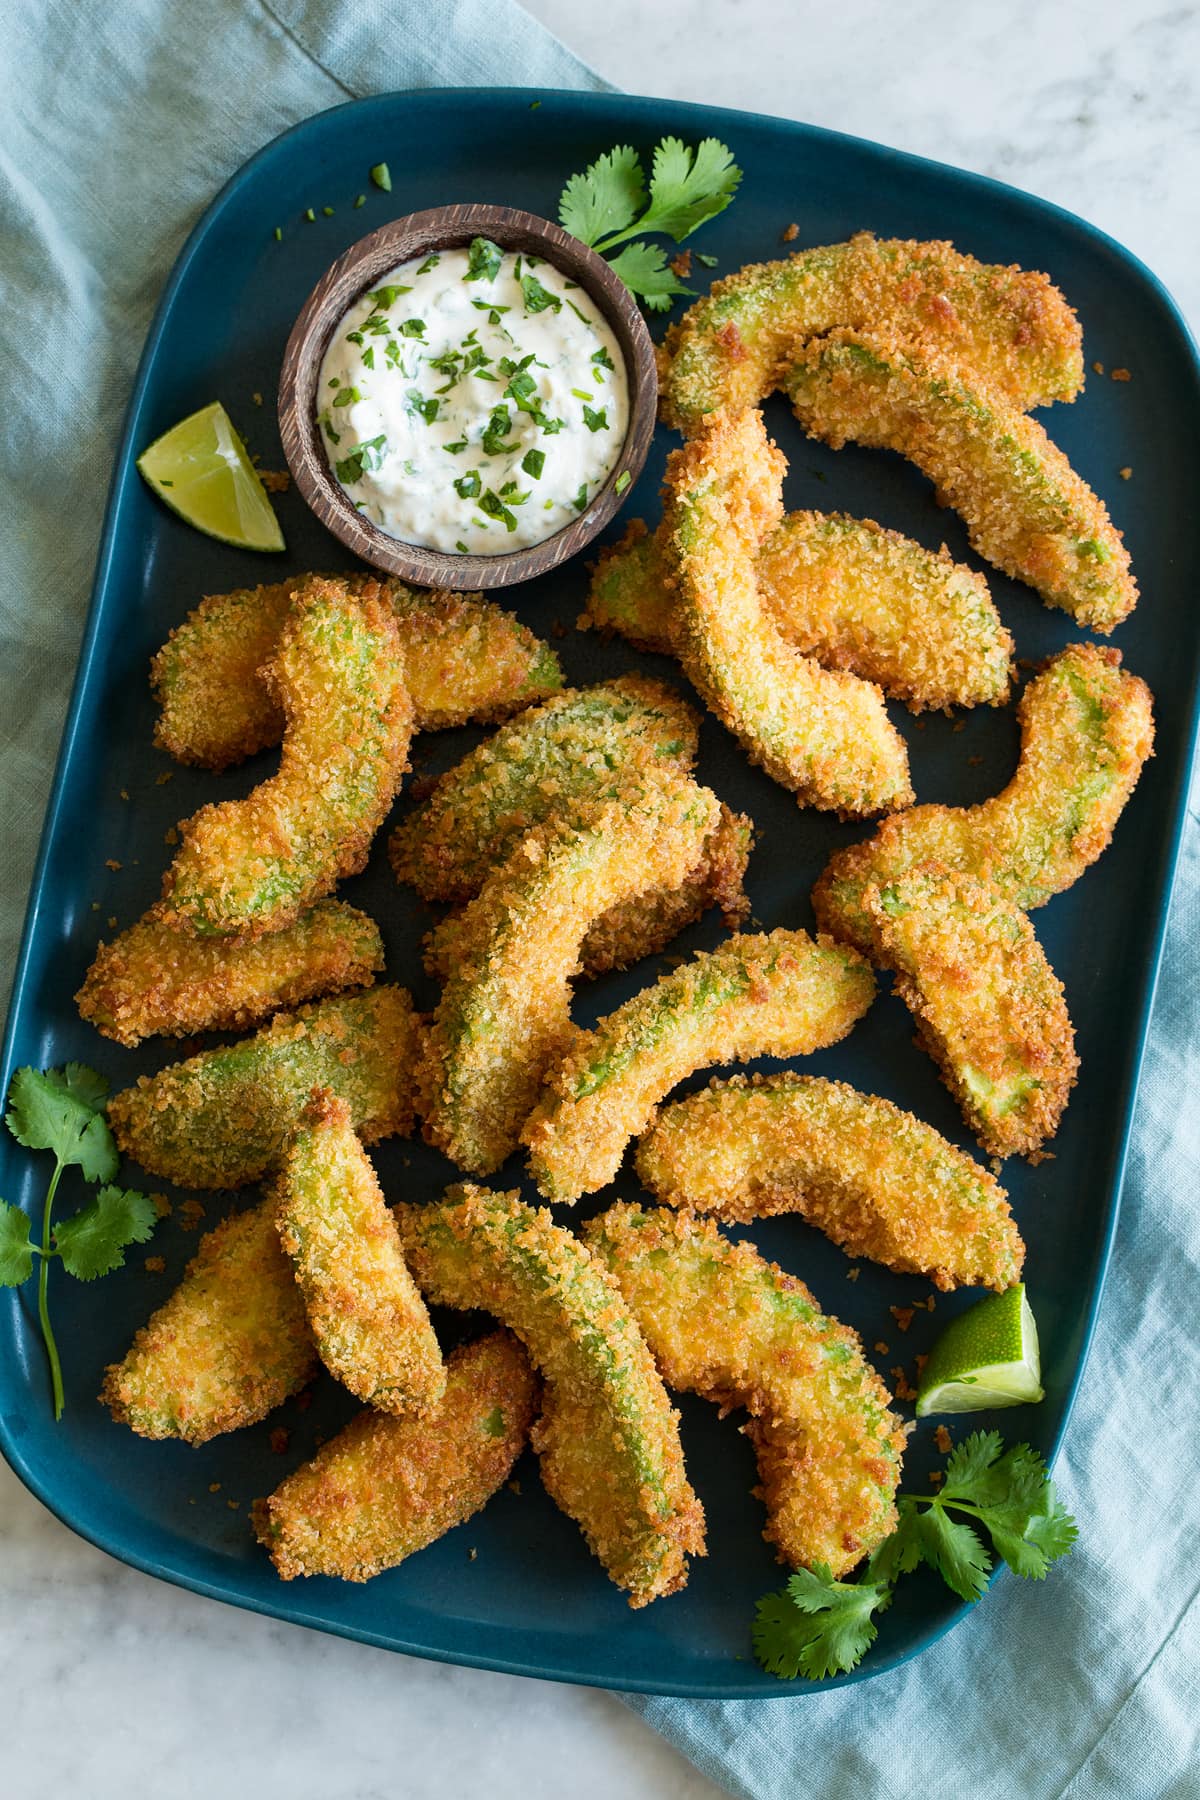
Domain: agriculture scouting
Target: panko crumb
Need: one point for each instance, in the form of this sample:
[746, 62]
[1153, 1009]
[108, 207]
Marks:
[904, 1388]
[279, 1440]
[276, 481]
[1125, 473]
[903, 1316]
[1121, 375]
[937, 1478]
[790, 233]
[190, 1214]
[154, 1265]
[214, 1487]
[852, 1274]
[681, 265]
[162, 1206]
[1098, 368]
[110, 862]
[163, 776]
[943, 1440]
[472, 1553]
[883, 1349]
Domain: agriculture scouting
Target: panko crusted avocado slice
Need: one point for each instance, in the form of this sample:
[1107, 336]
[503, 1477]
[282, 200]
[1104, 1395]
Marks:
[822, 733]
[608, 1438]
[387, 1487]
[466, 661]
[504, 1013]
[249, 867]
[231, 1343]
[724, 1323]
[877, 1180]
[367, 1318]
[845, 591]
[1087, 728]
[1025, 508]
[152, 981]
[988, 1007]
[223, 1118]
[781, 993]
[1010, 327]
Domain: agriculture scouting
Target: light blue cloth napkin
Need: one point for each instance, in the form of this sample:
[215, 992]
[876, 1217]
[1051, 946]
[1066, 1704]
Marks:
[119, 122]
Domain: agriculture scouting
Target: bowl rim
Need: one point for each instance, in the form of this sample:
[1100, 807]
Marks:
[451, 227]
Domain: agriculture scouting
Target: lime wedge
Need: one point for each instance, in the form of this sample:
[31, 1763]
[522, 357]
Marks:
[200, 468]
[986, 1357]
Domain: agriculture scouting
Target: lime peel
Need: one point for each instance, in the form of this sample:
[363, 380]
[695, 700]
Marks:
[987, 1357]
[201, 470]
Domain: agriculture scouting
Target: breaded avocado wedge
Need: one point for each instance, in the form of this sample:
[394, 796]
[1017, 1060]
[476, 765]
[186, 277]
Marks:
[1025, 508]
[385, 1488]
[466, 661]
[781, 993]
[988, 1007]
[504, 1013]
[230, 1344]
[1087, 728]
[1011, 327]
[368, 1320]
[874, 1178]
[823, 733]
[247, 867]
[609, 1438]
[224, 1117]
[724, 1323]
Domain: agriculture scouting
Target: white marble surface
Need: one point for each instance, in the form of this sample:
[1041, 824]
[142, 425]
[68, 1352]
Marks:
[1095, 105]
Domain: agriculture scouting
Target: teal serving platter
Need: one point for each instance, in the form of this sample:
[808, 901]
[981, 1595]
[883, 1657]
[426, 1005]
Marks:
[515, 1589]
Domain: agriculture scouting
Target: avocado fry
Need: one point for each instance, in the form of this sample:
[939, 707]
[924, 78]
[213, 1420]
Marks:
[152, 981]
[368, 1320]
[988, 1007]
[1009, 326]
[466, 661]
[823, 733]
[247, 867]
[875, 1179]
[223, 1118]
[504, 1013]
[844, 591]
[231, 1343]
[776, 994]
[384, 1487]
[608, 1439]
[724, 1323]
[1086, 730]
[1025, 508]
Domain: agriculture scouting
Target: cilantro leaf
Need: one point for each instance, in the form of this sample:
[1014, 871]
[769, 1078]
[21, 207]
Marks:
[955, 1551]
[537, 297]
[817, 1626]
[643, 268]
[483, 260]
[969, 1462]
[689, 186]
[59, 1110]
[900, 1553]
[606, 198]
[94, 1242]
[16, 1253]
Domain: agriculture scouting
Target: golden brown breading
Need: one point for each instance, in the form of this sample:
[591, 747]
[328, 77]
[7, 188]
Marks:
[568, 754]
[231, 1343]
[845, 592]
[1086, 730]
[608, 1438]
[385, 1487]
[467, 661]
[988, 1007]
[773, 994]
[1010, 326]
[724, 1323]
[823, 733]
[246, 867]
[1025, 508]
[152, 981]
[505, 1011]
[368, 1321]
[875, 1179]
[223, 1118]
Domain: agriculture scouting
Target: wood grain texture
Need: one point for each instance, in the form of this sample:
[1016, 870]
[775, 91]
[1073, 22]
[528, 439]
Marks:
[443, 228]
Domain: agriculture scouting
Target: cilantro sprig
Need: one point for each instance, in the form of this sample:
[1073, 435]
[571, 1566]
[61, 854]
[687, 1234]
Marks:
[609, 204]
[62, 1110]
[817, 1626]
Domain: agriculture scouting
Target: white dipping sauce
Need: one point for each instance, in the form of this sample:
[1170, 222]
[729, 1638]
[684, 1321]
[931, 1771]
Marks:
[473, 400]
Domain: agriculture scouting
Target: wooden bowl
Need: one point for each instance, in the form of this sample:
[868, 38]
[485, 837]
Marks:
[444, 228]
